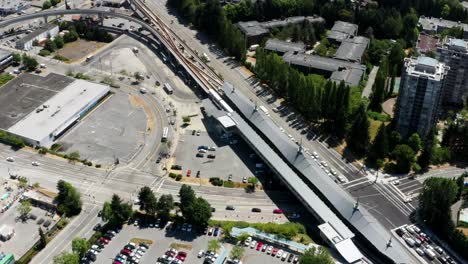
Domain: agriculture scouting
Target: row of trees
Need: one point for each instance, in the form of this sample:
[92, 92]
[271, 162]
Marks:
[152, 206]
[79, 248]
[28, 62]
[195, 210]
[84, 30]
[435, 201]
[313, 96]
[209, 16]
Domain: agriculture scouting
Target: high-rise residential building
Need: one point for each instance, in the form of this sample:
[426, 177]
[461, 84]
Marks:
[420, 95]
[454, 53]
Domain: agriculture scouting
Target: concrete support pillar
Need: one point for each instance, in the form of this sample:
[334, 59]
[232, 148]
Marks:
[45, 19]
[101, 19]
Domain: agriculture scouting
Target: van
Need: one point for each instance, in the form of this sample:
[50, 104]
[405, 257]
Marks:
[42, 65]
[410, 241]
[429, 253]
[89, 58]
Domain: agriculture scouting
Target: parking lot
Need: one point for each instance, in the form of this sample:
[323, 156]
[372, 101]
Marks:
[162, 239]
[113, 130]
[25, 232]
[231, 159]
[423, 245]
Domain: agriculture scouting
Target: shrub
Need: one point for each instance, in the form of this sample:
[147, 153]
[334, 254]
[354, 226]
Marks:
[98, 165]
[44, 52]
[216, 181]
[172, 175]
[60, 58]
[178, 177]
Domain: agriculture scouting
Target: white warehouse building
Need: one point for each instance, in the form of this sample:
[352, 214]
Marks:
[59, 102]
[42, 33]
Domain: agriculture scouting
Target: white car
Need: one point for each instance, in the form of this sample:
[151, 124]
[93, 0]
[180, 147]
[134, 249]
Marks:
[253, 244]
[212, 148]
[201, 253]
[35, 163]
[324, 163]
[140, 252]
[142, 249]
[244, 180]
[279, 254]
[202, 151]
[10, 159]
[396, 182]
[269, 249]
[247, 241]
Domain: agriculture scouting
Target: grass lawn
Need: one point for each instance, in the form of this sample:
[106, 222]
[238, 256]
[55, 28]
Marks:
[4, 78]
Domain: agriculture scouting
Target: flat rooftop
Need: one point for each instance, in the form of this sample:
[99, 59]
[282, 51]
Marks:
[36, 33]
[62, 110]
[283, 46]
[352, 49]
[22, 95]
[433, 24]
[342, 30]
[341, 70]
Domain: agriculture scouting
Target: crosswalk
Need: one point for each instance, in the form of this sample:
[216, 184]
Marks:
[381, 190]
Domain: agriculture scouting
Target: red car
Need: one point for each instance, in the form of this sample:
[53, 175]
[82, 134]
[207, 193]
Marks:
[170, 253]
[181, 256]
[104, 240]
[275, 250]
[189, 172]
[259, 246]
[277, 211]
[117, 262]
[125, 252]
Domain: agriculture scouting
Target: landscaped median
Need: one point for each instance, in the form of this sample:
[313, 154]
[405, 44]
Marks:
[291, 231]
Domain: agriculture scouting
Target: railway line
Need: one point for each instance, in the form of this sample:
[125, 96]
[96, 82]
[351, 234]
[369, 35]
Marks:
[185, 54]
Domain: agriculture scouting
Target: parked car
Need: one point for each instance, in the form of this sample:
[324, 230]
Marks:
[189, 172]
[259, 246]
[277, 211]
[200, 155]
[256, 210]
[211, 156]
[230, 207]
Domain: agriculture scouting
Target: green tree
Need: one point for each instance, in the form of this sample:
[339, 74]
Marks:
[435, 199]
[54, 2]
[358, 138]
[46, 5]
[316, 256]
[414, 141]
[187, 196]
[42, 239]
[67, 258]
[75, 155]
[16, 58]
[214, 245]
[186, 119]
[116, 212]
[445, 11]
[396, 56]
[59, 42]
[50, 45]
[29, 62]
[404, 157]
[164, 206]
[393, 140]
[461, 185]
[198, 213]
[378, 93]
[80, 246]
[24, 209]
[148, 200]
[379, 148]
[68, 199]
[237, 252]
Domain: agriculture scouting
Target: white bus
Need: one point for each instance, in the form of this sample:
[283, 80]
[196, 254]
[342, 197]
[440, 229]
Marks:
[168, 88]
[165, 134]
